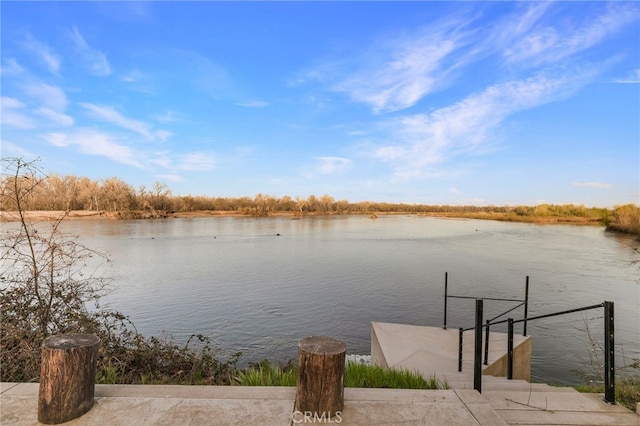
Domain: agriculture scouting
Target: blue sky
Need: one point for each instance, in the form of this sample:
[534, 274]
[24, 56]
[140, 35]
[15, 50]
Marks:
[420, 102]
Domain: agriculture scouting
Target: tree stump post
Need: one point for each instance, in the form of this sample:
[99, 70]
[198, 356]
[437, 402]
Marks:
[67, 377]
[320, 388]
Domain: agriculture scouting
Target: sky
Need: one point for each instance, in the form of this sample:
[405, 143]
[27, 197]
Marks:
[458, 103]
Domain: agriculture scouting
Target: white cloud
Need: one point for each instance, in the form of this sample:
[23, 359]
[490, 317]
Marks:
[110, 115]
[55, 117]
[207, 76]
[7, 102]
[330, 165]
[197, 161]
[543, 43]
[163, 135]
[253, 104]
[133, 76]
[632, 78]
[44, 54]
[93, 59]
[406, 69]
[11, 67]
[92, 142]
[598, 185]
[167, 117]
[47, 95]
[139, 82]
[194, 161]
[51, 104]
[10, 149]
[13, 114]
[418, 142]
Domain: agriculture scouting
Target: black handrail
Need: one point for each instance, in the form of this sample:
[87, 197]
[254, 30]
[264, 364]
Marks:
[524, 302]
[609, 343]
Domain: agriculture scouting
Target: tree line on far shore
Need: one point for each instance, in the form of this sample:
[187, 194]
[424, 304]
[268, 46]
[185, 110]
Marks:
[113, 195]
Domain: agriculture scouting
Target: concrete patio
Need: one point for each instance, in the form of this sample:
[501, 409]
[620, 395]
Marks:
[424, 349]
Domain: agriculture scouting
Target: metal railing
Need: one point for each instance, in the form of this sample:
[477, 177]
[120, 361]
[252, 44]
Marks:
[523, 302]
[609, 343]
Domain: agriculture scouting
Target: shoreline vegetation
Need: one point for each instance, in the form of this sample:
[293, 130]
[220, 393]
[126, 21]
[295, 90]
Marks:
[623, 219]
[52, 197]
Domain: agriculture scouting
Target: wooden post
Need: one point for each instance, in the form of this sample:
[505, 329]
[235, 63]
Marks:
[320, 376]
[67, 377]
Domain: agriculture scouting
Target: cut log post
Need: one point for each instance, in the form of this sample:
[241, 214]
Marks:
[320, 376]
[67, 377]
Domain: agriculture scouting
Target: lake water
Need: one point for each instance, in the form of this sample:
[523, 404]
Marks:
[258, 285]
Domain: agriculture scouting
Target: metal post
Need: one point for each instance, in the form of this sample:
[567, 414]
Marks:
[510, 349]
[609, 355]
[460, 349]
[486, 343]
[526, 306]
[477, 354]
[446, 285]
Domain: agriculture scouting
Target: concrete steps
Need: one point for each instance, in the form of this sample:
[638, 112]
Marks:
[431, 350]
[518, 402]
[557, 406]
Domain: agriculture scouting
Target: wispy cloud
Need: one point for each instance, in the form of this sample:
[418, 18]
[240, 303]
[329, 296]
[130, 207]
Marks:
[139, 82]
[14, 114]
[206, 75]
[167, 117]
[47, 95]
[417, 142]
[407, 68]
[331, 165]
[253, 104]
[93, 59]
[110, 115]
[162, 135]
[196, 161]
[543, 43]
[44, 101]
[43, 53]
[55, 117]
[193, 161]
[10, 149]
[11, 67]
[632, 78]
[92, 142]
[126, 11]
[598, 185]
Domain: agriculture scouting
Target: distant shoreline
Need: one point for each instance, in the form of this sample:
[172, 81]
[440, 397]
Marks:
[51, 215]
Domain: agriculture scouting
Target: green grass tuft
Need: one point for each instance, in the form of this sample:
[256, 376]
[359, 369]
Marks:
[627, 391]
[357, 375]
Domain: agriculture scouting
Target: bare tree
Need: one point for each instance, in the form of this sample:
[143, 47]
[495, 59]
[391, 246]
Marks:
[46, 278]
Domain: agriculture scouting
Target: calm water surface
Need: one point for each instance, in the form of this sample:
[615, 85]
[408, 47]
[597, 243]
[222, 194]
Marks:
[251, 290]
